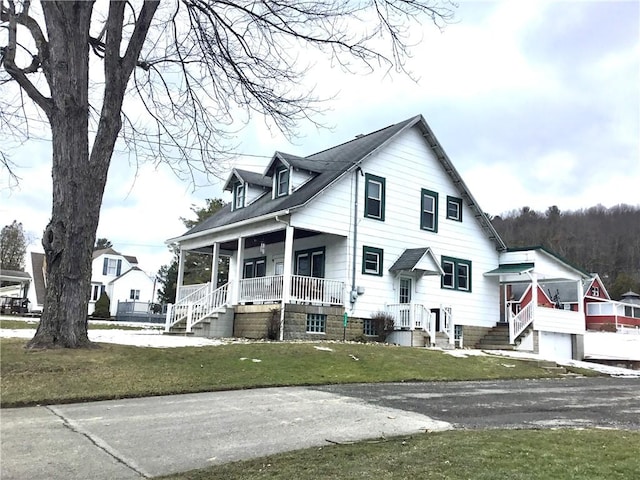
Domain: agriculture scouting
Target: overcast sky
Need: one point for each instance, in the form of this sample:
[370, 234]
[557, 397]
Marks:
[536, 103]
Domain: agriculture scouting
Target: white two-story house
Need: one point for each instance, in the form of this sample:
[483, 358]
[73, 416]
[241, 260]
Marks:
[111, 272]
[319, 245]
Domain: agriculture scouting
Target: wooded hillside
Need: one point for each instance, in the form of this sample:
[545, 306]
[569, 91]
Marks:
[598, 239]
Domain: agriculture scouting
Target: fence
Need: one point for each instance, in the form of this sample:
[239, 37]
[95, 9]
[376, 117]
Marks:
[132, 311]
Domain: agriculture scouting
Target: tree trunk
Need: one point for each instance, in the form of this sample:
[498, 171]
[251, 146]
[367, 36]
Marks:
[78, 185]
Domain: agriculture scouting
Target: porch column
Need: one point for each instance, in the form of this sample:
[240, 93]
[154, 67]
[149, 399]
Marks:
[180, 273]
[214, 266]
[534, 291]
[286, 275]
[239, 270]
[580, 298]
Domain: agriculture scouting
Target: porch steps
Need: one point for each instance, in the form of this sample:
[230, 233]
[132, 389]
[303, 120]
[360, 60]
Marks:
[496, 339]
[442, 341]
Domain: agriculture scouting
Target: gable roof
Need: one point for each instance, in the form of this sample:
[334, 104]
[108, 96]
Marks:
[541, 248]
[417, 259]
[104, 251]
[246, 176]
[38, 267]
[330, 165]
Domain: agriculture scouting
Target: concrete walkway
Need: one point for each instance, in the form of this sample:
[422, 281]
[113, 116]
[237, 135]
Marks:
[147, 437]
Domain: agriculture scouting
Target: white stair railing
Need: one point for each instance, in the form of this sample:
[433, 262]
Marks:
[446, 324]
[518, 323]
[197, 306]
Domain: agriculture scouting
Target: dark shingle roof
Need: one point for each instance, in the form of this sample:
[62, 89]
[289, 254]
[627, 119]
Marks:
[330, 165]
[252, 178]
[408, 259]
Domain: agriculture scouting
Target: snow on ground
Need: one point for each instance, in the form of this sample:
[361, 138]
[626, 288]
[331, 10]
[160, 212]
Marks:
[151, 336]
[606, 369]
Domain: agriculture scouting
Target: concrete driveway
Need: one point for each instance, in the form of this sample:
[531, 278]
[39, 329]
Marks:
[147, 437]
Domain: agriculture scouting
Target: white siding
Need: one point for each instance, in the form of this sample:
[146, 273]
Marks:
[332, 210]
[299, 178]
[132, 280]
[252, 194]
[556, 320]
[408, 166]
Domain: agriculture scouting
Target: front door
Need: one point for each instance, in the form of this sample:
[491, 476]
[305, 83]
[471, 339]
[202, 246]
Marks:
[404, 299]
[309, 263]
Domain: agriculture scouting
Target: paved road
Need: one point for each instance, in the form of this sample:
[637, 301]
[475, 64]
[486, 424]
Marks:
[146, 437]
[571, 402]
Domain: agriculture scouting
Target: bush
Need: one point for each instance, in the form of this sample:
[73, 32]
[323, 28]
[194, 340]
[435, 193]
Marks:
[383, 323]
[102, 307]
[273, 325]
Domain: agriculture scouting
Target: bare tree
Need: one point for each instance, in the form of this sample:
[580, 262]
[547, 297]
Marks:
[192, 68]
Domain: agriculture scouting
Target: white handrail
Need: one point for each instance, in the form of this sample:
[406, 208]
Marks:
[518, 323]
[447, 325]
[197, 306]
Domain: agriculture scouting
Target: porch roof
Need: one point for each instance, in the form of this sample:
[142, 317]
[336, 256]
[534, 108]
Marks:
[417, 259]
[510, 268]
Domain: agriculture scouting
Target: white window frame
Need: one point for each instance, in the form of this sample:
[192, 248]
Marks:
[282, 182]
[238, 198]
[134, 294]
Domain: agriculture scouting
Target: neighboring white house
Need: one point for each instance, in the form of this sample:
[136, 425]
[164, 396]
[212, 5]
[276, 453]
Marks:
[381, 223]
[116, 274]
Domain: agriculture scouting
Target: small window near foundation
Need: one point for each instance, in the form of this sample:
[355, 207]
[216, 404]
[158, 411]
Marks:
[316, 323]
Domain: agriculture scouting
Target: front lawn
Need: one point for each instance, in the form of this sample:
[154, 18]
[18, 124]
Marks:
[119, 371]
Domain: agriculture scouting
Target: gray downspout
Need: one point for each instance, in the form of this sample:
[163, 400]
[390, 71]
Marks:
[354, 294]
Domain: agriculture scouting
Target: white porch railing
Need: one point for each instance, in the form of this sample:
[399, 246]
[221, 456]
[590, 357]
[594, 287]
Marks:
[518, 323]
[261, 289]
[186, 291]
[317, 290]
[196, 306]
[413, 316]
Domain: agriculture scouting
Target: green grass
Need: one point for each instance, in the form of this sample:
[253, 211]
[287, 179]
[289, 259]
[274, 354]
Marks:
[476, 455]
[33, 323]
[118, 371]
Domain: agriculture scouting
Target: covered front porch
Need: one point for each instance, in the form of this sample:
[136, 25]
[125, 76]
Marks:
[531, 294]
[280, 266]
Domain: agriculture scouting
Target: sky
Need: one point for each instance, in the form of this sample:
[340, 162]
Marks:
[536, 103]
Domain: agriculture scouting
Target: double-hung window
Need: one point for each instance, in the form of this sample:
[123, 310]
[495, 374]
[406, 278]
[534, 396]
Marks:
[255, 267]
[282, 182]
[374, 192]
[112, 267]
[457, 274]
[454, 208]
[134, 295]
[429, 211]
[372, 261]
[238, 196]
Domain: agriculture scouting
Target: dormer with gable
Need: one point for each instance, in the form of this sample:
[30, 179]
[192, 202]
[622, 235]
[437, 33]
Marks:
[246, 187]
[289, 173]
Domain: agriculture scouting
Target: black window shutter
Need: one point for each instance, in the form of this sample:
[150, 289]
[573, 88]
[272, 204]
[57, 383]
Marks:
[104, 266]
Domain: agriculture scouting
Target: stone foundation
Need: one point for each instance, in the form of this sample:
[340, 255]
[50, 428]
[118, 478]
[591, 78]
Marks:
[471, 335]
[252, 321]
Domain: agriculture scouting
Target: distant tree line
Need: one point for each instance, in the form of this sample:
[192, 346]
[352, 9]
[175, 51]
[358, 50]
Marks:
[597, 239]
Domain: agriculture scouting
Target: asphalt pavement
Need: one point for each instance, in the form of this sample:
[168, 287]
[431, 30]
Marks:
[147, 437]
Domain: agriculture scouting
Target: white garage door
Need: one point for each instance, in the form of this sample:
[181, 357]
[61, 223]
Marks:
[555, 345]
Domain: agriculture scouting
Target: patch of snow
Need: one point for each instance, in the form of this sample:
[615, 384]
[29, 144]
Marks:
[139, 338]
[324, 349]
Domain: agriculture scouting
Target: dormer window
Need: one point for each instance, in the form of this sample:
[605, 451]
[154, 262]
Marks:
[238, 196]
[282, 182]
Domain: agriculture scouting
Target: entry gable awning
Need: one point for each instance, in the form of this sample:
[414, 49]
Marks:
[510, 268]
[421, 260]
